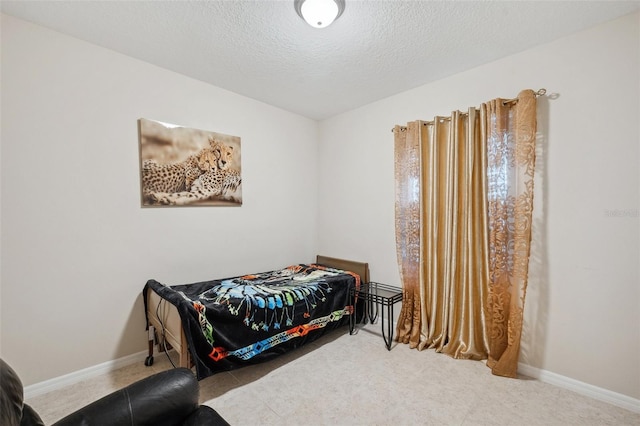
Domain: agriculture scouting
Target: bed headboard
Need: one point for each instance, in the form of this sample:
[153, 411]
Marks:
[359, 268]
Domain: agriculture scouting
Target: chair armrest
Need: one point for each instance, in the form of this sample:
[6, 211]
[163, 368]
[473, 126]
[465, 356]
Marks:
[205, 416]
[166, 398]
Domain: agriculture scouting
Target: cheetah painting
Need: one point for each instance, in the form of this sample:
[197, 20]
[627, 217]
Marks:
[181, 166]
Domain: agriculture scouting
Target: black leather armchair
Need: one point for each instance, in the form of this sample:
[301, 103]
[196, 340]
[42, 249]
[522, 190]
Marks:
[164, 399]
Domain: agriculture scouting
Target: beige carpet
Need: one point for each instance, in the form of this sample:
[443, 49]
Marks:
[347, 380]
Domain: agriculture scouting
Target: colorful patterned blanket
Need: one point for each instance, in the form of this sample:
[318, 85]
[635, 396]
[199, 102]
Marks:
[234, 322]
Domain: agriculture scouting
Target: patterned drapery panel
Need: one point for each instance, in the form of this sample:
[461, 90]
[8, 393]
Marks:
[511, 138]
[408, 225]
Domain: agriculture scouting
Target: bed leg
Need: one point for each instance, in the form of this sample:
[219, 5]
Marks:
[149, 360]
[185, 358]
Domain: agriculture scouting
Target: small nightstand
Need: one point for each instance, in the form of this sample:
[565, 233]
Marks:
[375, 294]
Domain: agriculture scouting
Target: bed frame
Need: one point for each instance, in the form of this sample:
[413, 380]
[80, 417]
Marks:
[165, 326]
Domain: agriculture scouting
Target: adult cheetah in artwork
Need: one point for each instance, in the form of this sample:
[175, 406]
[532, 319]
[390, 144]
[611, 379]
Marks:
[214, 184]
[179, 177]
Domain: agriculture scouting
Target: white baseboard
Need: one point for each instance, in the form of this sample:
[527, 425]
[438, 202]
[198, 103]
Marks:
[582, 388]
[86, 373]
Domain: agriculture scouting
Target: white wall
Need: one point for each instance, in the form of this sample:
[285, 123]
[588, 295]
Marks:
[77, 247]
[583, 306]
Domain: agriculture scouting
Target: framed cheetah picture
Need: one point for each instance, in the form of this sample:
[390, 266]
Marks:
[181, 166]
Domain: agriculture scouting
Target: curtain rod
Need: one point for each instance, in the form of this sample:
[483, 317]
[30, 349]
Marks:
[540, 92]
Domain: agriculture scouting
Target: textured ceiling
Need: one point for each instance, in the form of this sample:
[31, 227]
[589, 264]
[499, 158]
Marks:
[263, 50]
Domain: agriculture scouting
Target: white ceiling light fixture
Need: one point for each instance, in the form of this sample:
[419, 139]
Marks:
[319, 13]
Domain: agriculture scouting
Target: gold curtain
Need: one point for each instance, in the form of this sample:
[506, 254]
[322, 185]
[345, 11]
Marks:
[464, 190]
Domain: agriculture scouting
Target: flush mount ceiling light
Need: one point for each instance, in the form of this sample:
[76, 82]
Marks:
[319, 13]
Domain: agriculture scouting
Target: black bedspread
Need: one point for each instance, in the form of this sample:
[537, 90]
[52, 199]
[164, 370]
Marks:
[234, 322]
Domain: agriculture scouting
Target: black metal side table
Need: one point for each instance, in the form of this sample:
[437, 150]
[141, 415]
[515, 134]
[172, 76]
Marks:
[376, 294]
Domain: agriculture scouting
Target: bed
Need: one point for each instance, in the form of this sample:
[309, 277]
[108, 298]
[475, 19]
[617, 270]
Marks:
[224, 324]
